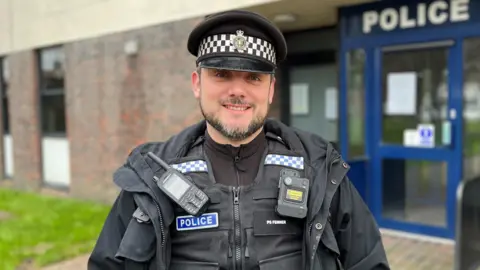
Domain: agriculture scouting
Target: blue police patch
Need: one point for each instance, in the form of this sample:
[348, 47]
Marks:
[205, 221]
[287, 161]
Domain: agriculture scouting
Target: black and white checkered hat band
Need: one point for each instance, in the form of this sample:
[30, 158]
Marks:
[223, 43]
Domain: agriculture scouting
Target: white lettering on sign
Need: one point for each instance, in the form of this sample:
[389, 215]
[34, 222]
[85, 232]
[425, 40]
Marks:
[207, 220]
[271, 222]
[202, 221]
[437, 12]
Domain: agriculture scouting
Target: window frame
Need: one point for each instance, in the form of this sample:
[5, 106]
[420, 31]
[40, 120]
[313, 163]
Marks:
[42, 92]
[6, 127]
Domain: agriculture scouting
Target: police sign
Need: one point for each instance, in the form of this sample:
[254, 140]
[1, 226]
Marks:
[205, 221]
[404, 17]
[391, 16]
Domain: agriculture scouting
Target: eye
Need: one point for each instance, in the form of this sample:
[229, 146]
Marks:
[254, 77]
[221, 73]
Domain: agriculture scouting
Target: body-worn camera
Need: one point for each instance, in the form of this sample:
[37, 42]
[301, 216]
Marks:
[293, 194]
[180, 189]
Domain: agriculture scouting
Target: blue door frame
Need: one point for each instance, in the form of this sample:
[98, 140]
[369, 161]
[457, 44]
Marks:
[352, 37]
[451, 155]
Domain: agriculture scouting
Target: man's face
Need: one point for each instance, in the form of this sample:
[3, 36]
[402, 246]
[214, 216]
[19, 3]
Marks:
[235, 103]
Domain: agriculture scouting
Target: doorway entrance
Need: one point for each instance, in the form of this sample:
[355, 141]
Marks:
[421, 99]
[415, 169]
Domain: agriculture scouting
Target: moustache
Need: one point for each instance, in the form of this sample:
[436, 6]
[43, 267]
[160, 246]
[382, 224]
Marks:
[236, 101]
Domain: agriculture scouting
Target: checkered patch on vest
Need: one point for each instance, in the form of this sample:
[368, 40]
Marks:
[288, 161]
[191, 166]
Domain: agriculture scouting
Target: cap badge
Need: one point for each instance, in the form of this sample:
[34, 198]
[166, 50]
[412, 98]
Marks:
[239, 41]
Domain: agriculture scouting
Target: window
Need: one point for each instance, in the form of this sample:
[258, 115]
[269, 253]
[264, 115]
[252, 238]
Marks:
[356, 103]
[4, 81]
[471, 108]
[431, 93]
[52, 94]
[313, 99]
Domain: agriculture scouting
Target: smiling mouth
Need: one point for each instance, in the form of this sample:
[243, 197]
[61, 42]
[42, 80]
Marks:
[236, 107]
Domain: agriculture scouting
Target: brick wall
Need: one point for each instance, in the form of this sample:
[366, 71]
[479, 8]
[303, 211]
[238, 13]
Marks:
[25, 119]
[116, 101]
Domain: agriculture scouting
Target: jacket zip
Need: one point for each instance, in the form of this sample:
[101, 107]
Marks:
[236, 213]
[162, 231]
[155, 179]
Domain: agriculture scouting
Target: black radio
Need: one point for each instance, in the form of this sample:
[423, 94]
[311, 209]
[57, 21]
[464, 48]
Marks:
[180, 189]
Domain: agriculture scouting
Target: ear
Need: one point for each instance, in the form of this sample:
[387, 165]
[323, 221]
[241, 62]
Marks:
[196, 84]
[271, 92]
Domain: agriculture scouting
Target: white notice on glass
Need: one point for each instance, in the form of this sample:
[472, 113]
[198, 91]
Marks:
[299, 99]
[401, 93]
[331, 103]
[410, 137]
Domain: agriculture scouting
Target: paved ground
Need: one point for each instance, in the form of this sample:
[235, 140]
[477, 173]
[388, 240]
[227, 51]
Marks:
[408, 254]
[79, 263]
[403, 254]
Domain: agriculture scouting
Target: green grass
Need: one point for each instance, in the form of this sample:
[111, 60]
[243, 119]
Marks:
[46, 229]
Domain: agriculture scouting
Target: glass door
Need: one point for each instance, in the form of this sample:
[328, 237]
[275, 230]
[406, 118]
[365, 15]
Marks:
[415, 122]
[471, 108]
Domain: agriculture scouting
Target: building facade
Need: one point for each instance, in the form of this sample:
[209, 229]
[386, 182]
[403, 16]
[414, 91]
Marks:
[394, 85]
[84, 82]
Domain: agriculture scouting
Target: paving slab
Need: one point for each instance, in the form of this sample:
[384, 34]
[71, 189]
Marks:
[408, 253]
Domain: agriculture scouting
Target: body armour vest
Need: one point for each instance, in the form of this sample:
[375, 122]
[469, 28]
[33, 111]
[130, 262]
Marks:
[240, 229]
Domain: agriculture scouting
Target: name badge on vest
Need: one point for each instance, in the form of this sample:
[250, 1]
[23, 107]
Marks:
[205, 221]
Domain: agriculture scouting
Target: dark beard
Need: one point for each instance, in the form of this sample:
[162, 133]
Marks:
[235, 134]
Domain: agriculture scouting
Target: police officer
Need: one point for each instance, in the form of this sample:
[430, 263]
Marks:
[239, 158]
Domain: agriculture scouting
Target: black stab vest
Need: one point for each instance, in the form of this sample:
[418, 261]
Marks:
[249, 234]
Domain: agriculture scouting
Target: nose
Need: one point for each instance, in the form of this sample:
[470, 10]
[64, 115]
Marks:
[236, 88]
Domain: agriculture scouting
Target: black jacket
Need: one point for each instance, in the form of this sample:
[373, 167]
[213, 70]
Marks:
[340, 232]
